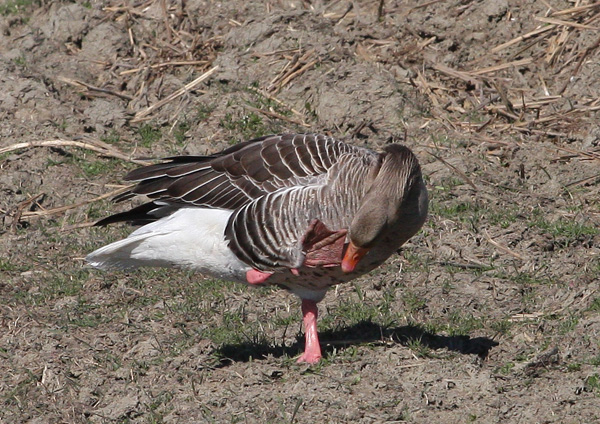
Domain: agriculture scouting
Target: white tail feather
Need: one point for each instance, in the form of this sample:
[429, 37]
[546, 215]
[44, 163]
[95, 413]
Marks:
[120, 254]
[191, 238]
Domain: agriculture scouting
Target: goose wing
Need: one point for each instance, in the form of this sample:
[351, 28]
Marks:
[232, 178]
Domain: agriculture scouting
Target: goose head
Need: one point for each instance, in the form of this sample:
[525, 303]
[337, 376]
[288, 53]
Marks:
[394, 205]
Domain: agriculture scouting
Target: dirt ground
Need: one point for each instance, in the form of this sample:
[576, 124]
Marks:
[491, 314]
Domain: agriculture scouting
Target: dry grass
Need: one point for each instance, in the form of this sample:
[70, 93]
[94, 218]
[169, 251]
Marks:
[491, 313]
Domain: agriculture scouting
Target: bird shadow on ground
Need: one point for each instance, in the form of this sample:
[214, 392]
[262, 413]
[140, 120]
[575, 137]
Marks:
[360, 333]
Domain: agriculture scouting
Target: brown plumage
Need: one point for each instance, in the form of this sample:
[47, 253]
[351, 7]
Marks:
[302, 211]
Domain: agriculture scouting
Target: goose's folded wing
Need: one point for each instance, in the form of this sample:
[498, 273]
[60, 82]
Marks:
[238, 175]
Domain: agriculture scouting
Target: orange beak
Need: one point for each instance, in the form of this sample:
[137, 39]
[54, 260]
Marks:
[352, 257]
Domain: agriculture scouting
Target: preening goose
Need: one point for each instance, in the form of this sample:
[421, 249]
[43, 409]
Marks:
[302, 211]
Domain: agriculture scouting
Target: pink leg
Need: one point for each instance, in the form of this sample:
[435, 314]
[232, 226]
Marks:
[312, 348]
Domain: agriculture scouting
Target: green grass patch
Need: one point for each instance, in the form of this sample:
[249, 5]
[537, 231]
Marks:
[414, 262]
[594, 269]
[91, 167]
[16, 7]
[592, 383]
[159, 406]
[97, 167]
[445, 141]
[21, 392]
[419, 349]
[148, 135]
[249, 123]
[310, 111]
[446, 184]
[595, 361]
[180, 130]
[502, 327]
[352, 312]
[6, 265]
[97, 210]
[86, 315]
[566, 231]
[20, 61]
[53, 286]
[502, 217]
[236, 335]
[460, 211]
[359, 311]
[568, 324]
[465, 212]
[444, 205]
[247, 126]
[505, 369]
[522, 356]
[113, 137]
[62, 284]
[262, 102]
[413, 302]
[527, 280]
[203, 112]
[461, 323]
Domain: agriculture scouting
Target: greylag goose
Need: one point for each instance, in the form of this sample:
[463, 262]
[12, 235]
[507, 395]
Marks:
[300, 211]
